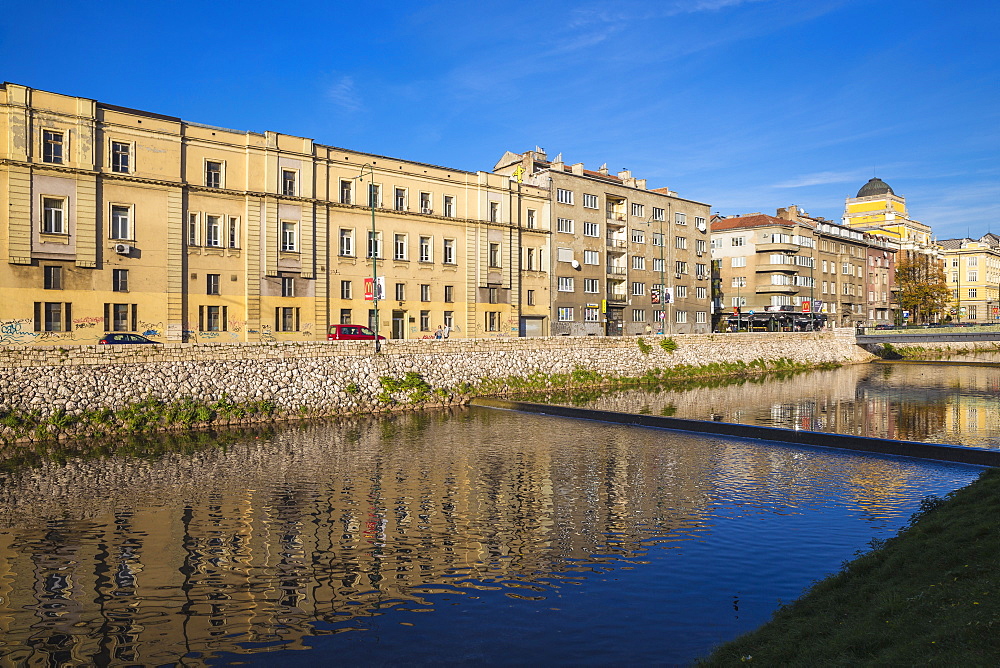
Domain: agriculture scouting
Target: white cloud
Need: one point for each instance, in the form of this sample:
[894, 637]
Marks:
[822, 178]
[343, 94]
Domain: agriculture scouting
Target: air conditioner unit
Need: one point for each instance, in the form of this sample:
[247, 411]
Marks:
[123, 249]
[700, 253]
[677, 275]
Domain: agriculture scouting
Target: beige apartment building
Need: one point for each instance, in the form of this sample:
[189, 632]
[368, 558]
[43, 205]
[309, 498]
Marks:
[625, 260]
[793, 263]
[125, 220]
[972, 271]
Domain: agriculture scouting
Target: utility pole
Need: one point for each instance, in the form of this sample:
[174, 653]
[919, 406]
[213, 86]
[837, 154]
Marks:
[373, 245]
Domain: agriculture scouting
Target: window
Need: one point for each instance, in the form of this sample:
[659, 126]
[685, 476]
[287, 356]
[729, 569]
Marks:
[532, 221]
[681, 267]
[425, 292]
[659, 264]
[638, 289]
[680, 243]
[658, 239]
[425, 321]
[449, 251]
[426, 247]
[973, 277]
[701, 270]
[400, 292]
[739, 282]
[564, 196]
[494, 212]
[374, 244]
[658, 213]
[286, 318]
[399, 200]
[699, 246]
[701, 317]
[52, 277]
[212, 284]
[374, 195]
[590, 201]
[449, 293]
[638, 237]
[53, 317]
[213, 174]
[120, 228]
[346, 292]
[564, 225]
[449, 319]
[591, 230]
[736, 241]
[121, 157]
[591, 314]
[493, 295]
[972, 293]
[701, 293]
[287, 286]
[494, 258]
[681, 292]
[531, 298]
[345, 316]
[680, 317]
[972, 261]
[399, 247]
[192, 231]
[52, 151]
[680, 219]
[119, 317]
[119, 280]
[288, 182]
[591, 257]
[53, 215]
[565, 284]
[638, 210]
[346, 186]
[638, 315]
[425, 203]
[346, 243]
[529, 259]
[213, 231]
[564, 314]
[234, 232]
[638, 262]
[591, 285]
[289, 237]
[738, 262]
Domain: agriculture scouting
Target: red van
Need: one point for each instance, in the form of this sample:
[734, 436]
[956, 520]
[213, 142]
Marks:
[351, 333]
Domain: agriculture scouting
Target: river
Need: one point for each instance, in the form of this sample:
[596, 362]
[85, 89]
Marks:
[445, 537]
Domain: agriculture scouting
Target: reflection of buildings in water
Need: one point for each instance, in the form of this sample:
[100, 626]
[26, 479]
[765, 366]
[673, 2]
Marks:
[138, 561]
[904, 402]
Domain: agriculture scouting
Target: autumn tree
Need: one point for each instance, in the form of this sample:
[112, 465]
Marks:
[921, 287]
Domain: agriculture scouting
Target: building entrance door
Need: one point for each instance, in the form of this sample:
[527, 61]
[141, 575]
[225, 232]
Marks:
[398, 325]
[613, 327]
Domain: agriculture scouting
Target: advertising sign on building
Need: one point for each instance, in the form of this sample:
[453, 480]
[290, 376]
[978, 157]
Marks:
[369, 293]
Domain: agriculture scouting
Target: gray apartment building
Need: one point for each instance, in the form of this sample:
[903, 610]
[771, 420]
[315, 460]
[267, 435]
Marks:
[625, 260]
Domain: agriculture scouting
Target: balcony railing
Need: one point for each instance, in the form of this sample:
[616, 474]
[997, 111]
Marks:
[617, 243]
[616, 271]
[617, 297]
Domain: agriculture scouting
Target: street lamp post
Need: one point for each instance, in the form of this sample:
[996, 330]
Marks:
[372, 246]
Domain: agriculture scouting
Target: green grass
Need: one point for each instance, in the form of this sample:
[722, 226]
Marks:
[929, 596]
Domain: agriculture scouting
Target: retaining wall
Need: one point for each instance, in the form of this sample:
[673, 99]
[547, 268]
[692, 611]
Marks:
[330, 377]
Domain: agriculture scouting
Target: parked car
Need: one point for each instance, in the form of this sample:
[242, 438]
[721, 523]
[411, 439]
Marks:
[127, 338]
[351, 333]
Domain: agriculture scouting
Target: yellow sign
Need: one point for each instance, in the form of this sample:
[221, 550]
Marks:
[518, 173]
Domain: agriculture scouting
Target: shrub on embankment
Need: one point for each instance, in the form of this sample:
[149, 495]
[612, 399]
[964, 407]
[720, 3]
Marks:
[928, 596]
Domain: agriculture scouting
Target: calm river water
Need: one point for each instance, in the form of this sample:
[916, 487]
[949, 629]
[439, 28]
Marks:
[452, 537]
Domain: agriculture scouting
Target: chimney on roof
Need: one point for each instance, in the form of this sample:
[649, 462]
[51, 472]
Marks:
[540, 153]
[624, 174]
[604, 169]
[557, 162]
[789, 213]
[577, 169]
[640, 184]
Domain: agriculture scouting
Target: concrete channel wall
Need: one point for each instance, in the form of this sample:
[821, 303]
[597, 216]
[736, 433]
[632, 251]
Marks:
[332, 377]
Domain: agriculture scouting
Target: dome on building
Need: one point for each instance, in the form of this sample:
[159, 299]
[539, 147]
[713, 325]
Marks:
[874, 188]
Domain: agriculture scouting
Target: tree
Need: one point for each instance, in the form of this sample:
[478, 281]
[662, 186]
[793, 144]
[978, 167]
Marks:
[921, 287]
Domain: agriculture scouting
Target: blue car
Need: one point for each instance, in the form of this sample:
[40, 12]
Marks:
[127, 338]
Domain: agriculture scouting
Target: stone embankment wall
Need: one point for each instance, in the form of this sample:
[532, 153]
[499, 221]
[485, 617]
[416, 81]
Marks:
[343, 376]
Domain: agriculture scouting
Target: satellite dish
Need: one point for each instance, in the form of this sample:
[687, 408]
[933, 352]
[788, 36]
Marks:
[575, 264]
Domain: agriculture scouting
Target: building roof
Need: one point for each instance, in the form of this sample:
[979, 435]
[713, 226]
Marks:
[874, 188]
[751, 220]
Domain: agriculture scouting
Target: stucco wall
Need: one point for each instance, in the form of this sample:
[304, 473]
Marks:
[319, 375]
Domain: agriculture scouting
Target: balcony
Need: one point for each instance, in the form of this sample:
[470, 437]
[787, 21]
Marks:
[616, 244]
[616, 271]
[777, 289]
[781, 246]
[617, 298]
[787, 268]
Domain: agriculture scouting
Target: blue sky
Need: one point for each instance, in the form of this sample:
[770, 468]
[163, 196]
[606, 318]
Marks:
[747, 105]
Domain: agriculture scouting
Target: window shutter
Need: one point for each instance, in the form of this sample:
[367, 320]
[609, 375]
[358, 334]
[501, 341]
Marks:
[201, 318]
[107, 317]
[135, 317]
[38, 316]
[68, 316]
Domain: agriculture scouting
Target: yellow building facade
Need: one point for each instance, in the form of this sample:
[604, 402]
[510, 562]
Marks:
[124, 220]
[972, 272]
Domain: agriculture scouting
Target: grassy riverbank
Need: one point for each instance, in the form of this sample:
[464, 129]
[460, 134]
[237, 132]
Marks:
[929, 596]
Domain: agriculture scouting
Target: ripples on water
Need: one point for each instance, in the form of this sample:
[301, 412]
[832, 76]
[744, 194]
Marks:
[910, 402]
[460, 537]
